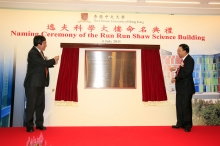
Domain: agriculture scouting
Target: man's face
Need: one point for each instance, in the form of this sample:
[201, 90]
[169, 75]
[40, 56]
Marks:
[43, 46]
[181, 53]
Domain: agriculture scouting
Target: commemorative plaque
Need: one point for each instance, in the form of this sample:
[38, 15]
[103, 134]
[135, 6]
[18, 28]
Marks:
[110, 69]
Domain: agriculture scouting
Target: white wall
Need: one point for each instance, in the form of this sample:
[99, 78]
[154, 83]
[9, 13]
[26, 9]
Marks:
[101, 107]
[112, 107]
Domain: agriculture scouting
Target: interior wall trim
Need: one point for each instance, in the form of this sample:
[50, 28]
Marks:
[107, 46]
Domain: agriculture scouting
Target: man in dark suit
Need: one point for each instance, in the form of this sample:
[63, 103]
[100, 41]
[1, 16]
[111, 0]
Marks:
[184, 88]
[37, 78]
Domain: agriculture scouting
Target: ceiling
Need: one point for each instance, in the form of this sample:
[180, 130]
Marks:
[140, 6]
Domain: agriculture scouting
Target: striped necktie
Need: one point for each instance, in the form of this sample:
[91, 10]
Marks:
[46, 69]
[177, 71]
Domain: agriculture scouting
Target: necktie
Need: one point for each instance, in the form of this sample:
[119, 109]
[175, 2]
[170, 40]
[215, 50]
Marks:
[46, 69]
[177, 71]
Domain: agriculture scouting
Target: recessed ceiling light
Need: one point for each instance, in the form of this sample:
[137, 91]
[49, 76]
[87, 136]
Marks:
[214, 3]
[113, 0]
[172, 2]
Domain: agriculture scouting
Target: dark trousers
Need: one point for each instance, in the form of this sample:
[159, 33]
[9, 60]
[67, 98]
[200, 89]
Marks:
[184, 110]
[35, 104]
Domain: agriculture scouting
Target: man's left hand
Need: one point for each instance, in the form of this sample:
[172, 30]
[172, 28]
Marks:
[173, 80]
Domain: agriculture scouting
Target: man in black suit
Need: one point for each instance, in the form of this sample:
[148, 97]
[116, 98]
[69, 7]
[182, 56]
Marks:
[37, 78]
[184, 88]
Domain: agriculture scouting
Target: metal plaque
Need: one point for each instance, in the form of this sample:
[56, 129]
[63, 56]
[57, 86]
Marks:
[110, 69]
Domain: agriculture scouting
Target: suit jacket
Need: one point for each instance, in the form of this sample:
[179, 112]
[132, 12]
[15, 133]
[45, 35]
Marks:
[184, 80]
[36, 73]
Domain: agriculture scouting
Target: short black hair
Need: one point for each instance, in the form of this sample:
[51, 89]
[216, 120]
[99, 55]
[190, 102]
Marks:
[185, 47]
[38, 40]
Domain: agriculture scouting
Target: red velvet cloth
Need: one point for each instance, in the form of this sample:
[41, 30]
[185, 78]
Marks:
[68, 76]
[153, 87]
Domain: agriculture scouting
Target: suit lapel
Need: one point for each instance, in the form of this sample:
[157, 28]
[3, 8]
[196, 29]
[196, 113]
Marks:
[186, 58]
[37, 51]
[184, 61]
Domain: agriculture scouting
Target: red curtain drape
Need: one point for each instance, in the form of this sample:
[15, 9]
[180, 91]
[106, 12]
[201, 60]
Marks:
[153, 87]
[68, 76]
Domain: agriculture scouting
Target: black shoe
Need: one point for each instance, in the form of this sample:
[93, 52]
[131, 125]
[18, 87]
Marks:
[41, 127]
[30, 129]
[187, 130]
[176, 126]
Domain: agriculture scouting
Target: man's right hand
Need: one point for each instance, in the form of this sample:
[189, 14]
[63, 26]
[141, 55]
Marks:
[56, 58]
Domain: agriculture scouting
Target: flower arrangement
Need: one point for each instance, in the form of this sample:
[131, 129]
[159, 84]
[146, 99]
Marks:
[36, 141]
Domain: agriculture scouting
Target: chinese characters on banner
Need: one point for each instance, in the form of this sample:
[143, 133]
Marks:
[110, 27]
